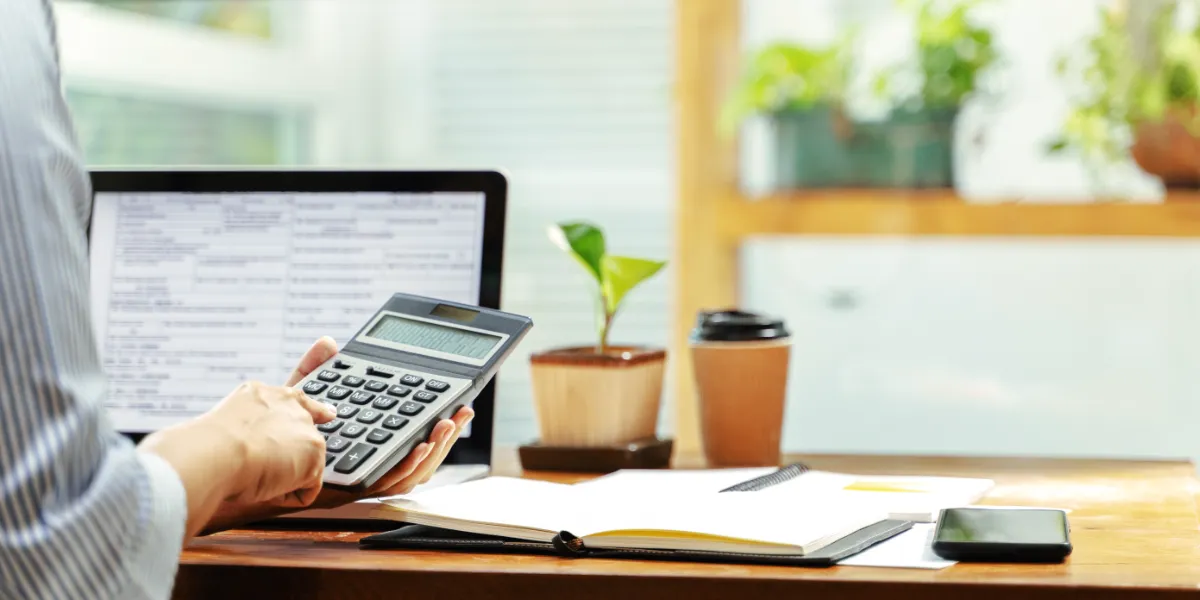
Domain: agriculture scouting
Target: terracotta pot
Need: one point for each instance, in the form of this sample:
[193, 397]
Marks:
[585, 399]
[1168, 151]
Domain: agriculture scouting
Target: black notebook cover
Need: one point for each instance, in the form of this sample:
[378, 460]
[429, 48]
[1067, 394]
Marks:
[421, 537]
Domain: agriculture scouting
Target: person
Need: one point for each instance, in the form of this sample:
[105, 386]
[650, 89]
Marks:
[84, 513]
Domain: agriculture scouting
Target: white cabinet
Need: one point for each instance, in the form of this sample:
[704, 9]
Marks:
[986, 346]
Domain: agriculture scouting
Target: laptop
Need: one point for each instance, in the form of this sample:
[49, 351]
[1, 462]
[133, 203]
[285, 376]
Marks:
[203, 279]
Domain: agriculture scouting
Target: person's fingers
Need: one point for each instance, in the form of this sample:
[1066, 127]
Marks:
[440, 437]
[443, 451]
[310, 484]
[401, 471]
[322, 350]
[321, 412]
[406, 485]
[461, 419]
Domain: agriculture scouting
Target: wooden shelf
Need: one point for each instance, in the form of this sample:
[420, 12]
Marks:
[897, 212]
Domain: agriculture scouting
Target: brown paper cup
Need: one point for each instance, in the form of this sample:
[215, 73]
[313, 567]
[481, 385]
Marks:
[742, 389]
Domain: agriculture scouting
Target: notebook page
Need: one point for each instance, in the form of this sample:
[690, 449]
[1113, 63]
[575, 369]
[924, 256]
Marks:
[496, 500]
[682, 482]
[740, 516]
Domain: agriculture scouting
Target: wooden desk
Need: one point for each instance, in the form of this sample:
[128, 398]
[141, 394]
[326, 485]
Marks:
[1134, 525]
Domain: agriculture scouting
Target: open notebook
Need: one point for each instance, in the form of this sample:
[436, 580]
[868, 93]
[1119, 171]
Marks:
[506, 513]
[909, 498]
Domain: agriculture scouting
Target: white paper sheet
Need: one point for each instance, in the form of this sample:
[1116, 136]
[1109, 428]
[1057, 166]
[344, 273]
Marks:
[909, 550]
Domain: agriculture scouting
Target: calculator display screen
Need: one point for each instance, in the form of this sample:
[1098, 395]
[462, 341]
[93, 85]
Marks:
[431, 336]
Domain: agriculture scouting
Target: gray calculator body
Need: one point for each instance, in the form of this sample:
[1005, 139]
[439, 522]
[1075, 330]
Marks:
[415, 362]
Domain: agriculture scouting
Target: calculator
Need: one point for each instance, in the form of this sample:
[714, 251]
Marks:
[415, 362]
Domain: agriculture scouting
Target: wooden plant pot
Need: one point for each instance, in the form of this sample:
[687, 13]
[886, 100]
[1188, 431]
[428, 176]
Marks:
[584, 399]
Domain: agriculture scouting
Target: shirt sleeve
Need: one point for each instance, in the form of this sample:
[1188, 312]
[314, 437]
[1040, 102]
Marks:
[82, 513]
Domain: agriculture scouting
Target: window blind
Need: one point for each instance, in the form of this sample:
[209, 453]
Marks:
[572, 99]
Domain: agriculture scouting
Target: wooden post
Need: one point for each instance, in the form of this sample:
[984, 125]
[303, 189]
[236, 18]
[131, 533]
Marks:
[708, 56]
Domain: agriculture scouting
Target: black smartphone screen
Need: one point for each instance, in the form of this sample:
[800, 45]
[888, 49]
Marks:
[1003, 526]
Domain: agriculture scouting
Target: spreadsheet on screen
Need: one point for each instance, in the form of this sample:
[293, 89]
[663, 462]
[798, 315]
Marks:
[194, 293]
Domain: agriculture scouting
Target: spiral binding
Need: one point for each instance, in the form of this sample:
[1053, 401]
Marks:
[787, 473]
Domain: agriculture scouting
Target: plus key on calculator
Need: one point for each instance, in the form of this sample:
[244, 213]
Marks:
[416, 361]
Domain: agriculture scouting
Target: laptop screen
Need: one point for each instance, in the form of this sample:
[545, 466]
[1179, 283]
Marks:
[194, 293]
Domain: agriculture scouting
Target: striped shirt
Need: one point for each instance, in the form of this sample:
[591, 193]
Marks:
[82, 515]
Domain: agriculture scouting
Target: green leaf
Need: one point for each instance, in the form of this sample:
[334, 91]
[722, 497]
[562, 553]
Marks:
[1056, 147]
[582, 240]
[621, 274]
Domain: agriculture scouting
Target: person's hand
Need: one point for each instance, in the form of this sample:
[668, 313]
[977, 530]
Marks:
[416, 468]
[274, 430]
[259, 446]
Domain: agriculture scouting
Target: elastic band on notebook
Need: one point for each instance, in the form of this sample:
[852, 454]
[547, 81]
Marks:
[569, 545]
[787, 473]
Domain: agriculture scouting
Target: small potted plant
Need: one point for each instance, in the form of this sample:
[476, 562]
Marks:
[1136, 89]
[599, 394]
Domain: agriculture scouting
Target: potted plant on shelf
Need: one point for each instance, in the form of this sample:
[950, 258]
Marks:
[954, 53]
[600, 394]
[1136, 92]
[803, 91]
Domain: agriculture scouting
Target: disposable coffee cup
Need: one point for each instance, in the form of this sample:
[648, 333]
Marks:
[740, 365]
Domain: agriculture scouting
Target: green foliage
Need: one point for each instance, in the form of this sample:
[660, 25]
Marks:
[953, 53]
[615, 276]
[1118, 86]
[786, 76]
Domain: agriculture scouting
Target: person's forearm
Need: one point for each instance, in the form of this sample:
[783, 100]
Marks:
[206, 460]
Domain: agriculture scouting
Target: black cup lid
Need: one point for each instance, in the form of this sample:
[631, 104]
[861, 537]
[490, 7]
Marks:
[737, 326]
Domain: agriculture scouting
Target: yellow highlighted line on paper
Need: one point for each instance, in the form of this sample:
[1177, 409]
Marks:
[879, 486]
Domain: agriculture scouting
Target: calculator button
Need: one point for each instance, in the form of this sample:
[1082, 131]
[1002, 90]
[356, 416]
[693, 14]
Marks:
[353, 430]
[377, 373]
[379, 436]
[328, 375]
[361, 397]
[393, 422]
[369, 416]
[346, 411]
[399, 391]
[329, 427]
[384, 403]
[411, 380]
[315, 387]
[337, 444]
[375, 386]
[424, 396]
[437, 386]
[337, 392]
[352, 381]
[409, 408]
[352, 459]
[341, 364]
[330, 458]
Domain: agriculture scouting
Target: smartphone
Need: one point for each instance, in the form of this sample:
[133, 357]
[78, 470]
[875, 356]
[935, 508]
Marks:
[1002, 535]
